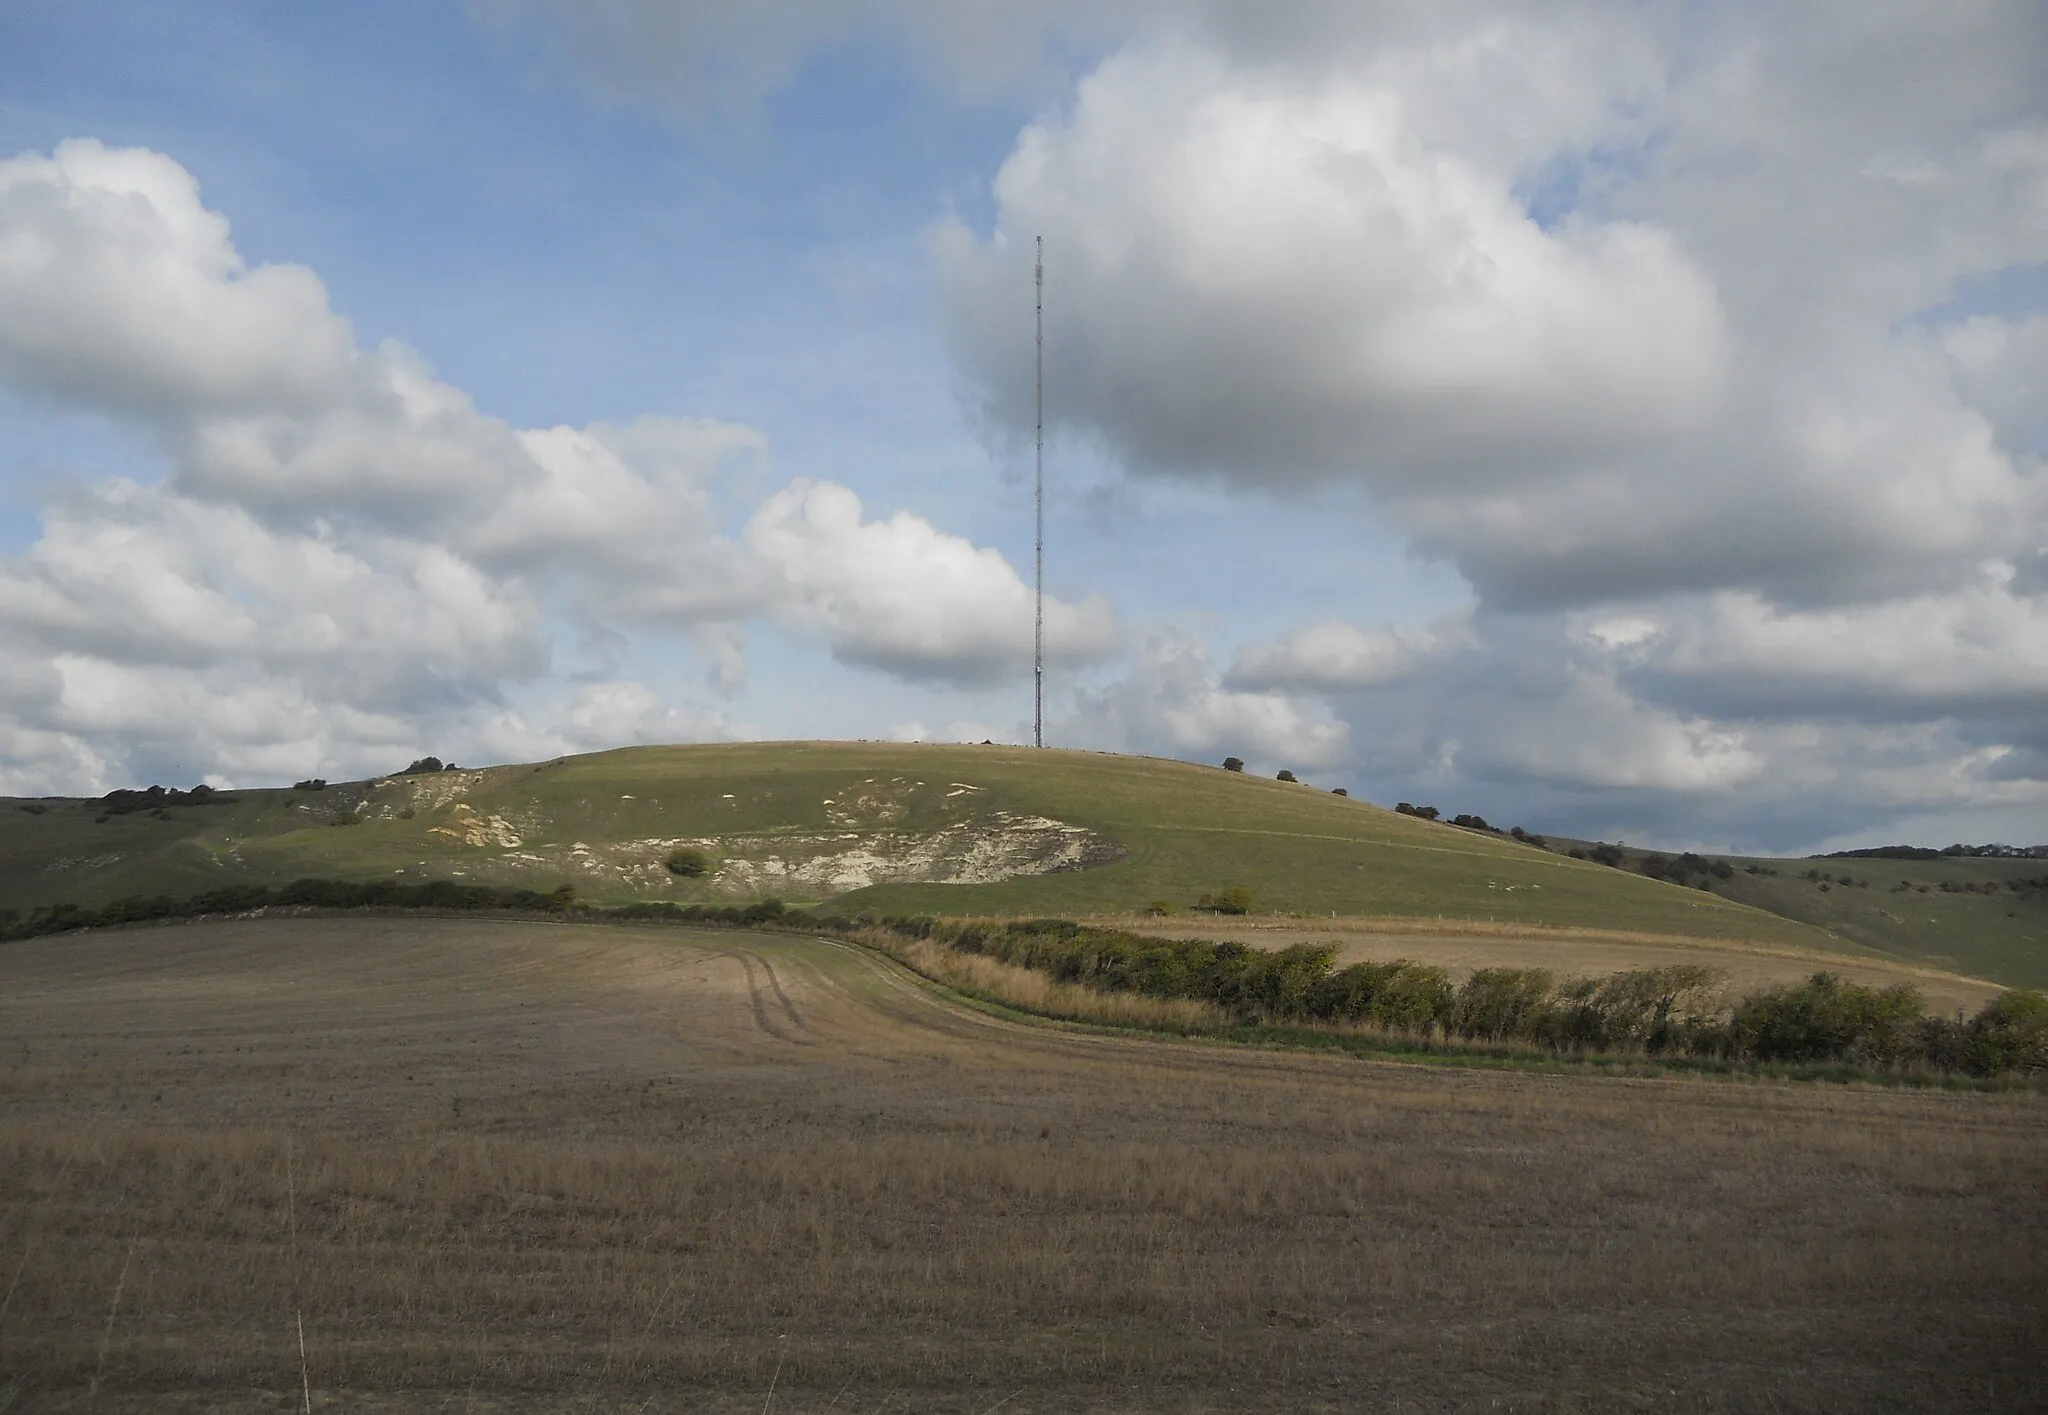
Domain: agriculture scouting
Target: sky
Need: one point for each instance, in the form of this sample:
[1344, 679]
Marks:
[1626, 420]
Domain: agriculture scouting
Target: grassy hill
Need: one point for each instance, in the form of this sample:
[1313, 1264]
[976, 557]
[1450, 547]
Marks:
[1984, 916]
[991, 830]
[868, 825]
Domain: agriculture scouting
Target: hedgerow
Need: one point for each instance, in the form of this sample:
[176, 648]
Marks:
[1670, 1011]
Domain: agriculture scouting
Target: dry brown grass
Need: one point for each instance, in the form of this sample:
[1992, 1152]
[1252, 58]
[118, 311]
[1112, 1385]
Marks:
[685, 1168]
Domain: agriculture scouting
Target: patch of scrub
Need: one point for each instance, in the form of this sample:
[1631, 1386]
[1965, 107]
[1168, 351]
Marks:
[872, 802]
[425, 792]
[83, 862]
[468, 828]
[998, 847]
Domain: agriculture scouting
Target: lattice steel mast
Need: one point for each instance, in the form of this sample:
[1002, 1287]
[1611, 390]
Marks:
[1038, 497]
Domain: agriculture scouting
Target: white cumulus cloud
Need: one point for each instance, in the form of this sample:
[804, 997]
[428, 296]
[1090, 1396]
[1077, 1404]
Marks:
[345, 555]
[902, 595]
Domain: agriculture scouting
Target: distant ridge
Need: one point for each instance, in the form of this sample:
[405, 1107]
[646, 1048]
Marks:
[1950, 852]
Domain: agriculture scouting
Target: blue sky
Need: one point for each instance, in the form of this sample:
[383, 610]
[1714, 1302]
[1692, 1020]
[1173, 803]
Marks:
[1593, 421]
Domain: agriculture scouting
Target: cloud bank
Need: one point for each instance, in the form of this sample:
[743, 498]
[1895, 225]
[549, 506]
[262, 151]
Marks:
[1657, 326]
[345, 554]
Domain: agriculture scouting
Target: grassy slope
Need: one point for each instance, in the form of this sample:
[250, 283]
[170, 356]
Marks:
[1185, 829]
[1899, 907]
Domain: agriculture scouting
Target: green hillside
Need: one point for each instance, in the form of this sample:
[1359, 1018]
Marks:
[1983, 916]
[865, 825]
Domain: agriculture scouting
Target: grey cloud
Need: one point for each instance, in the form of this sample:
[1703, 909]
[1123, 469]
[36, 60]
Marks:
[1573, 725]
[1278, 282]
[1335, 656]
[693, 58]
[1170, 699]
[1285, 270]
[723, 57]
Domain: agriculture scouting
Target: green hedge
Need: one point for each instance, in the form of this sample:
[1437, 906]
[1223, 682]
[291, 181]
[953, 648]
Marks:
[440, 894]
[1670, 1011]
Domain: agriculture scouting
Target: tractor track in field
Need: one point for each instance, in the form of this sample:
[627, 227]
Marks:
[757, 999]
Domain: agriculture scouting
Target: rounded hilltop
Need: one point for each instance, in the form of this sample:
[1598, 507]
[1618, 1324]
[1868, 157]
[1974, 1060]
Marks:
[861, 826]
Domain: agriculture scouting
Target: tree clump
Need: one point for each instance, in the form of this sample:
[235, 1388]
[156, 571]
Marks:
[1600, 853]
[125, 802]
[689, 864]
[1689, 868]
[1236, 900]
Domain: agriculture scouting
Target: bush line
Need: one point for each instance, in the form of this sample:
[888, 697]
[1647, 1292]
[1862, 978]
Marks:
[1671, 1012]
[440, 894]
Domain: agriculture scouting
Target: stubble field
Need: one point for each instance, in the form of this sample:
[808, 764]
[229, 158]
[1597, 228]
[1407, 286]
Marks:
[488, 1165]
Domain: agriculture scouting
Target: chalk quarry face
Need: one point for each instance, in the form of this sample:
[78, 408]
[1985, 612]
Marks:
[998, 846]
[870, 840]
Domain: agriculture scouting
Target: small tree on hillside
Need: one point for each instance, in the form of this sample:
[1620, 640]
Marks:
[1233, 763]
[1285, 775]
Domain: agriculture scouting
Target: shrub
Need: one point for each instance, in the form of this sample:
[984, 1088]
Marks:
[1236, 900]
[1825, 1018]
[1649, 1007]
[1348, 994]
[1233, 763]
[1501, 1002]
[688, 863]
[1428, 813]
[1414, 998]
[311, 783]
[421, 767]
[2010, 1034]
[1159, 908]
[1285, 775]
[1339, 791]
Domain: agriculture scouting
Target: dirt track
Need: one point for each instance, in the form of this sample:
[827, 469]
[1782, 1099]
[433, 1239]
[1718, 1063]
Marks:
[558, 1167]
